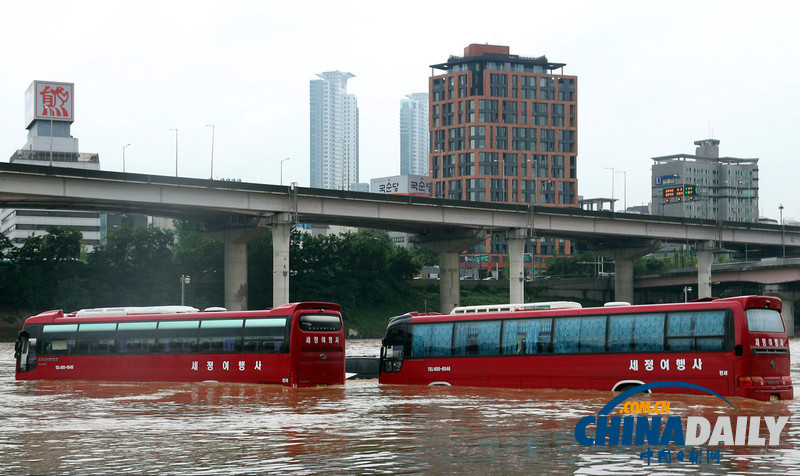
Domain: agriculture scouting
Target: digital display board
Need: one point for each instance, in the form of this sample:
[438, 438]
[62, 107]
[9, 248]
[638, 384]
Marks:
[677, 194]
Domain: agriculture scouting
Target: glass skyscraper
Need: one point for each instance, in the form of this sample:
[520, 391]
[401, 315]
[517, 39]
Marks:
[414, 143]
[334, 132]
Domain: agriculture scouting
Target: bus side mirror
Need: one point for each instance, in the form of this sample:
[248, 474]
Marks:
[738, 350]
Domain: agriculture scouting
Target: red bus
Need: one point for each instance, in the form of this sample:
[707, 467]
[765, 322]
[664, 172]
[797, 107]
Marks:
[733, 346]
[297, 345]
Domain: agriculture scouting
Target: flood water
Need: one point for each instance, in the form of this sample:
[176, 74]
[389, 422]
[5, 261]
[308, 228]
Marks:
[361, 428]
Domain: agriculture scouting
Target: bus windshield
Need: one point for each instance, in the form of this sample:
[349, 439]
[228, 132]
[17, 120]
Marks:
[320, 322]
[764, 320]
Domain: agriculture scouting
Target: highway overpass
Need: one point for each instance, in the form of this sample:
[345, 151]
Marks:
[236, 212]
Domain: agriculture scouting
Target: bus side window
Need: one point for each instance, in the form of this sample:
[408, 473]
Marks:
[221, 335]
[177, 336]
[526, 336]
[620, 333]
[136, 337]
[696, 330]
[566, 338]
[59, 338]
[266, 335]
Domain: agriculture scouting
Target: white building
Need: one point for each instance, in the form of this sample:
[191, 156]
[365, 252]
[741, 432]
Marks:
[414, 143]
[334, 132]
[49, 113]
[705, 185]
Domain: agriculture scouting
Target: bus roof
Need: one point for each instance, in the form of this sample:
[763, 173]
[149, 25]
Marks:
[125, 311]
[176, 312]
[530, 306]
[746, 302]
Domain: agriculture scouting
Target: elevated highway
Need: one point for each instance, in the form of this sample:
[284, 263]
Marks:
[236, 212]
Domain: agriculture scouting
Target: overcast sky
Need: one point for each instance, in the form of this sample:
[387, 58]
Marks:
[653, 77]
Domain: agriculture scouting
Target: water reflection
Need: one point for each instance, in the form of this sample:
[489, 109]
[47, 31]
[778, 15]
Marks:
[360, 428]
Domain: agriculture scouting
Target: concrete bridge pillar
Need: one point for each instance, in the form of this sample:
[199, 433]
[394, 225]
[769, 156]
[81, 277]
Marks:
[623, 253]
[235, 275]
[705, 253]
[623, 278]
[788, 298]
[516, 239]
[235, 241]
[281, 231]
[449, 286]
[449, 245]
[788, 314]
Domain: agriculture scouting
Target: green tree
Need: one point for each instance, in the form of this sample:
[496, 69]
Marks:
[260, 271]
[135, 268]
[648, 264]
[7, 249]
[203, 259]
[360, 269]
[40, 266]
[61, 243]
[315, 265]
[580, 264]
[423, 256]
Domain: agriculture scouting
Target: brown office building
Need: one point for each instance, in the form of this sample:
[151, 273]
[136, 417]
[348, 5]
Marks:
[504, 129]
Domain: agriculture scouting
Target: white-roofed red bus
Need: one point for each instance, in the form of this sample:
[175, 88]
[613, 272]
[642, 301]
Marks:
[734, 346]
[297, 345]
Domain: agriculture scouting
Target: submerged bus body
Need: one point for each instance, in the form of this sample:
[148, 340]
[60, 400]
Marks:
[297, 345]
[733, 346]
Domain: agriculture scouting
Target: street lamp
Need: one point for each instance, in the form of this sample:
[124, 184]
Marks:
[282, 161]
[783, 244]
[624, 188]
[686, 291]
[176, 151]
[212, 149]
[123, 157]
[612, 186]
[185, 279]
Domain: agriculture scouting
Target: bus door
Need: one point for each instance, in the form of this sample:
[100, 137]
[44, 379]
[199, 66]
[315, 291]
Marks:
[394, 348]
[769, 353]
[25, 352]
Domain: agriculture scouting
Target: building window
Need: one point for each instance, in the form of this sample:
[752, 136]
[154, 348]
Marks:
[497, 190]
[557, 166]
[476, 190]
[510, 164]
[557, 116]
[498, 85]
[477, 137]
[488, 163]
[466, 164]
[539, 112]
[510, 112]
[501, 139]
[528, 87]
[456, 138]
[487, 110]
[523, 138]
[547, 139]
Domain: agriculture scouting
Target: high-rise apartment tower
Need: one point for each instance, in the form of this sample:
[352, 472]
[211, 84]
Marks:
[334, 132]
[414, 143]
